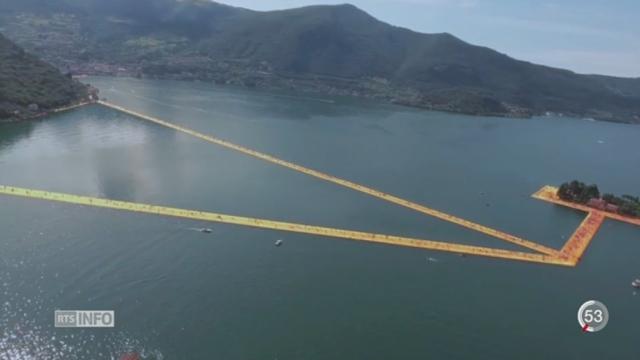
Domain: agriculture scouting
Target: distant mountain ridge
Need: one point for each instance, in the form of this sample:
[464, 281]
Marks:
[329, 49]
[29, 86]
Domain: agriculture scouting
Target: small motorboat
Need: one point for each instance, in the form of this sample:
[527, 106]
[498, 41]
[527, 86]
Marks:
[636, 283]
[206, 230]
[279, 242]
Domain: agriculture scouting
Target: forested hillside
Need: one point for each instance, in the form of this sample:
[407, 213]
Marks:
[327, 49]
[29, 86]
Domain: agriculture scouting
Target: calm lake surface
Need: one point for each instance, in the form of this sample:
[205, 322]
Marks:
[231, 294]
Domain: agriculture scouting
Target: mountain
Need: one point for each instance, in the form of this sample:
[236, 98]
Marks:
[29, 86]
[329, 49]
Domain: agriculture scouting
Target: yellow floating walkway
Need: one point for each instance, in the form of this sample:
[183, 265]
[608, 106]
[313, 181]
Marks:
[345, 183]
[581, 238]
[569, 255]
[575, 247]
[285, 226]
[71, 107]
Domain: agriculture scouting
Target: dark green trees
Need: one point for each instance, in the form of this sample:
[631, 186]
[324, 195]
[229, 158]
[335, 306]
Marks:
[579, 192]
[29, 86]
[628, 205]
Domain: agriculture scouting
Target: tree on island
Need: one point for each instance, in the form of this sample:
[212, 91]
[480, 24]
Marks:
[579, 192]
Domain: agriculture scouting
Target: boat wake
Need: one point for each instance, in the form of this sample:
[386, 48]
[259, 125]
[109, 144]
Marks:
[202, 230]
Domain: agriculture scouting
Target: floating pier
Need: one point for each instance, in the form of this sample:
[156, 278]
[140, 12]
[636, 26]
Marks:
[345, 183]
[574, 248]
[71, 107]
[581, 238]
[284, 226]
[570, 254]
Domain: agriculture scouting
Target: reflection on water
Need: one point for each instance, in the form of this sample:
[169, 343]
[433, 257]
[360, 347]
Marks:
[25, 336]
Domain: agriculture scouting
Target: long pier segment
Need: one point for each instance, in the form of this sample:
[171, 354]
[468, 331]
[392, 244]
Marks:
[581, 238]
[345, 183]
[285, 226]
[71, 107]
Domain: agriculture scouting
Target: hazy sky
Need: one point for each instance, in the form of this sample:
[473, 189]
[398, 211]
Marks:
[586, 36]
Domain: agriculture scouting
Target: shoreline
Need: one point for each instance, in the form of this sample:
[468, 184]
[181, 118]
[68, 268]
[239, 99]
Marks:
[380, 100]
[46, 113]
[454, 101]
[549, 194]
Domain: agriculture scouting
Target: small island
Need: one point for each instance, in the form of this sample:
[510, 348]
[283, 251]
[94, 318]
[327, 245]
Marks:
[589, 195]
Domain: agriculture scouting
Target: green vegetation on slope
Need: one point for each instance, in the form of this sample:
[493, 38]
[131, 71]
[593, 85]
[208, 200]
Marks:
[29, 86]
[332, 49]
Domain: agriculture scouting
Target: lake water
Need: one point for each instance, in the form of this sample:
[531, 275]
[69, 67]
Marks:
[182, 294]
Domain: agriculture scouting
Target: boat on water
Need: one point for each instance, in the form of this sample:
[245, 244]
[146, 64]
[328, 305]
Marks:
[206, 230]
[636, 283]
[279, 242]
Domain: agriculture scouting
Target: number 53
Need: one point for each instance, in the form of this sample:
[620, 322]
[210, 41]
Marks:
[593, 316]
